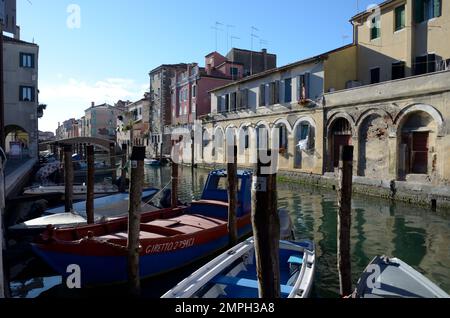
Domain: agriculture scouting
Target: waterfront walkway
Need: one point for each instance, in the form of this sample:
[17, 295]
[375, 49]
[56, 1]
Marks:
[17, 173]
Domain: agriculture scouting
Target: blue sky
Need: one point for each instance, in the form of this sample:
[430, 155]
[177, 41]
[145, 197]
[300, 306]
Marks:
[119, 42]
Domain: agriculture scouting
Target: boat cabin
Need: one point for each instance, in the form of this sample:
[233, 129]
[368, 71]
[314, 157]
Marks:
[214, 199]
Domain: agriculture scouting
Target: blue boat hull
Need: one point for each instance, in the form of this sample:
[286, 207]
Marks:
[106, 270]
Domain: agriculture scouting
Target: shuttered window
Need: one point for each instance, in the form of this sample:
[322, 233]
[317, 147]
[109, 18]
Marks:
[288, 90]
[262, 95]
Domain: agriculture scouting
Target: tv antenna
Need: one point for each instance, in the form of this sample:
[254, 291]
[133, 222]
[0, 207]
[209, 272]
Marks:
[229, 26]
[252, 36]
[217, 29]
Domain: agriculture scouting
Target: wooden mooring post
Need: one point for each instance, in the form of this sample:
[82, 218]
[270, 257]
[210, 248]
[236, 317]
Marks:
[68, 178]
[134, 218]
[232, 195]
[112, 160]
[2, 207]
[344, 219]
[175, 158]
[90, 185]
[123, 171]
[266, 229]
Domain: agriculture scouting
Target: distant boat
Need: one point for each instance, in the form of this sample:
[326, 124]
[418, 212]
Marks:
[108, 207]
[79, 191]
[233, 274]
[392, 278]
[152, 162]
[170, 238]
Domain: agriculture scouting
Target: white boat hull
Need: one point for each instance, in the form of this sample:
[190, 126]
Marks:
[205, 283]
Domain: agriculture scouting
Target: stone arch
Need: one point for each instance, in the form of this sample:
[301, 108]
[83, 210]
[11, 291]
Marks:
[340, 131]
[285, 123]
[380, 112]
[418, 128]
[336, 116]
[373, 142]
[20, 139]
[430, 110]
[304, 132]
[219, 144]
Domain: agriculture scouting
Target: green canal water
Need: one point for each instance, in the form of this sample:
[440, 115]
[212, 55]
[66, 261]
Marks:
[418, 236]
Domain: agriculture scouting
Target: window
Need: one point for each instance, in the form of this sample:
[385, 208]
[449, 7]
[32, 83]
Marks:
[427, 9]
[288, 90]
[375, 75]
[26, 94]
[194, 91]
[227, 103]
[272, 93]
[243, 99]
[275, 92]
[303, 87]
[400, 18]
[425, 64]
[26, 60]
[375, 31]
[233, 97]
[234, 71]
[398, 70]
[262, 95]
[283, 141]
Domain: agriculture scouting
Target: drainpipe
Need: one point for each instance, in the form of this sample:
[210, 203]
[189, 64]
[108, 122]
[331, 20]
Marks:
[410, 39]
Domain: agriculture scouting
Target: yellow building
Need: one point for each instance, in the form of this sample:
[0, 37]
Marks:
[401, 38]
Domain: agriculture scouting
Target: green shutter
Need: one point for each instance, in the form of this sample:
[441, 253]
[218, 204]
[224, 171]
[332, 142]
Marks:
[418, 11]
[437, 8]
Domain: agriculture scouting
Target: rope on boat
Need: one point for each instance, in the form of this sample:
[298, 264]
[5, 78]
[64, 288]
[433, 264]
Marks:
[158, 193]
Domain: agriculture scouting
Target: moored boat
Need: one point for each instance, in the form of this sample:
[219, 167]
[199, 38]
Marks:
[79, 191]
[170, 238]
[107, 207]
[233, 274]
[152, 162]
[386, 277]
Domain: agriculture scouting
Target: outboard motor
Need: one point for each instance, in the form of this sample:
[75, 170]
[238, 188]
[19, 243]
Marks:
[166, 199]
[286, 226]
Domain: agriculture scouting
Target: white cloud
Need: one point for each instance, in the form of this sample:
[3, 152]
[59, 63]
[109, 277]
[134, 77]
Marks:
[109, 90]
[69, 98]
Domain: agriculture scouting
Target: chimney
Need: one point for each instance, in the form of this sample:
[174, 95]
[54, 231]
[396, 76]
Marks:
[264, 52]
[92, 104]
[208, 69]
[17, 33]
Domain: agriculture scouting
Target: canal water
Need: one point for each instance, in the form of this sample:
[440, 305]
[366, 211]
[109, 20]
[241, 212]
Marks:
[418, 236]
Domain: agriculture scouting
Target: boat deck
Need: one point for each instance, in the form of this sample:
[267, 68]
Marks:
[160, 228]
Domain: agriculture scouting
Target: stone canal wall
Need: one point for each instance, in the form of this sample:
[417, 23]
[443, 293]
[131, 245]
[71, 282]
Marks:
[427, 196]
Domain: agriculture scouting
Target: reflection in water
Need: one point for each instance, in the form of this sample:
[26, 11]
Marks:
[417, 236]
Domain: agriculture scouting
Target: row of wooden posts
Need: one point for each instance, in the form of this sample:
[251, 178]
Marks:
[265, 220]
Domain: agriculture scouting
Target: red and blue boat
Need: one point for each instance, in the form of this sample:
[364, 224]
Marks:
[170, 238]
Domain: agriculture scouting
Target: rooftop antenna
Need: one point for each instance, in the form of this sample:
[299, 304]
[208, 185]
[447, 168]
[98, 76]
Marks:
[216, 28]
[252, 36]
[228, 35]
[262, 43]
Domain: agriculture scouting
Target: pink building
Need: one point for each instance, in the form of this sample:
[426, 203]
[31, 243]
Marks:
[190, 87]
